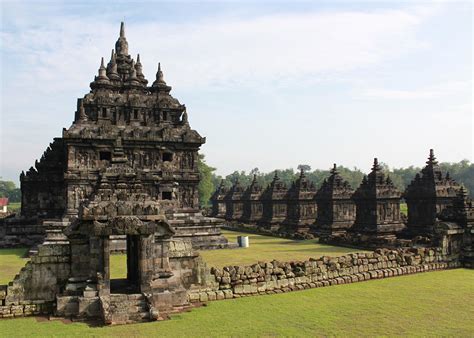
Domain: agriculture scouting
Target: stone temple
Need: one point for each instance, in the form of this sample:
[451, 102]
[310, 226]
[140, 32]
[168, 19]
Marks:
[123, 120]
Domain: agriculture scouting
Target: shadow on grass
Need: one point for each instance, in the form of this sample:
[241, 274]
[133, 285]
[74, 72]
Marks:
[19, 252]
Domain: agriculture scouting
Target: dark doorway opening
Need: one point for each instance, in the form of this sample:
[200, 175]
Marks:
[126, 281]
[166, 195]
[105, 155]
[167, 157]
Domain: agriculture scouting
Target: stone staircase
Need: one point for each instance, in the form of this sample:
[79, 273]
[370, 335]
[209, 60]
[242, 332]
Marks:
[126, 309]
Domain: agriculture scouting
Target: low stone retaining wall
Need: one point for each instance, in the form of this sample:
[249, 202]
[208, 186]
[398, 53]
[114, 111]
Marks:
[278, 277]
[23, 308]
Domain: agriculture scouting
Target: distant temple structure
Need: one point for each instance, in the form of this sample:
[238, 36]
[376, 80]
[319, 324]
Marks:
[142, 124]
[336, 210]
[427, 196]
[274, 200]
[218, 201]
[377, 203]
[301, 205]
[252, 204]
[234, 204]
[367, 217]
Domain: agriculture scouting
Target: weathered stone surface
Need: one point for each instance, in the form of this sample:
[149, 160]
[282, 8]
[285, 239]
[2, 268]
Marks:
[426, 196]
[336, 210]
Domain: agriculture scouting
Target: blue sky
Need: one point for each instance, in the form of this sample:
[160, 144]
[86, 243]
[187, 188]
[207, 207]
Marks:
[271, 85]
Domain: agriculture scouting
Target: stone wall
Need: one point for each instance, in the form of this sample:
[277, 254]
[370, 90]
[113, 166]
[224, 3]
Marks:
[33, 290]
[278, 277]
[25, 232]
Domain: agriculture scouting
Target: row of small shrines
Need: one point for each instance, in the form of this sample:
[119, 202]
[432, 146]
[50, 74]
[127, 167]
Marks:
[334, 208]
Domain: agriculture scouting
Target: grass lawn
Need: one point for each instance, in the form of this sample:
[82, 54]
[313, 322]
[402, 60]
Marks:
[266, 248]
[11, 261]
[429, 304]
[404, 209]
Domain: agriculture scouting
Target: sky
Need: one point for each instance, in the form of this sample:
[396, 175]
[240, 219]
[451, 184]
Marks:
[269, 84]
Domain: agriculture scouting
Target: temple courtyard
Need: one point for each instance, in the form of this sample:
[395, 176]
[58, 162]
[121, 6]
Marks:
[405, 305]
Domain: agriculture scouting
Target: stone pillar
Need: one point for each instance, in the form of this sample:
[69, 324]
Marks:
[105, 289]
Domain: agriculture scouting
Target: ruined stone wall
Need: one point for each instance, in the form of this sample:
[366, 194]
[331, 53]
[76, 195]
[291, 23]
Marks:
[33, 291]
[20, 233]
[277, 277]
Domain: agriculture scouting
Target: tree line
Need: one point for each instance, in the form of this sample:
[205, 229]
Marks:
[462, 172]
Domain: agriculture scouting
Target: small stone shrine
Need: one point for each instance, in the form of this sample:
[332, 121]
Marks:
[218, 201]
[377, 203]
[301, 211]
[336, 210]
[274, 200]
[252, 204]
[428, 194]
[455, 228]
[157, 143]
[234, 204]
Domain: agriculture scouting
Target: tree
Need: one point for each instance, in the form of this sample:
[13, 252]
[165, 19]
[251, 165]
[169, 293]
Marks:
[206, 185]
[8, 189]
[304, 167]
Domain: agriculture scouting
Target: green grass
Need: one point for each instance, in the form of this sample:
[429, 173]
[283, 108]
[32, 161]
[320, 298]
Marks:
[11, 261]
[266, 248]
[428, 304]
[404, 209]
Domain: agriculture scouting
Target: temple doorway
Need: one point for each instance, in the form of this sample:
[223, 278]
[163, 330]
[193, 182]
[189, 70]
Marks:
[125, 268]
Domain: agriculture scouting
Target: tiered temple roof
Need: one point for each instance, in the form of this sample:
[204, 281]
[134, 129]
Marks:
[336, 210]
[301, 204]
[274, 199]
[234, 204]
[378, 204]
[427, 195]
[252, 204]
[156, 142]
[218, 201]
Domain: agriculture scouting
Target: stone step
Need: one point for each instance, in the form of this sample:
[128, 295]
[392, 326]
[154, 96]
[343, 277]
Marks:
[128, 308]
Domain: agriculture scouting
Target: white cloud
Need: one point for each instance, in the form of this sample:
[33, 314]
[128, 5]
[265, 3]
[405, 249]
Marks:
[65, 52]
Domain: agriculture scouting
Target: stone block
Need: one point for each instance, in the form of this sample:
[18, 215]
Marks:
[193, 297]
[220, 295]
[228, 294]
[211, 295]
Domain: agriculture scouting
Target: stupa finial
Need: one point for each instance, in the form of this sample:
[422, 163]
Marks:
[82, 113]
[102, 72]
[432, 158]
[121, 46]
[160, 81]
[122, 30]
